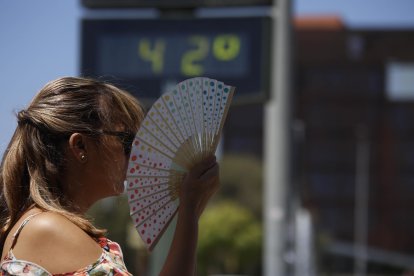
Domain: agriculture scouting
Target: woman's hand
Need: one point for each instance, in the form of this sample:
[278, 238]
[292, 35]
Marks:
[200, 183]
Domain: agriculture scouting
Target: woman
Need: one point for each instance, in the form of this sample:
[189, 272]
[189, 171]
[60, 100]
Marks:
[70, 149]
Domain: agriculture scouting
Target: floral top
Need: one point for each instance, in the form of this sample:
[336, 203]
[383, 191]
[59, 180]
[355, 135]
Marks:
[109, 263]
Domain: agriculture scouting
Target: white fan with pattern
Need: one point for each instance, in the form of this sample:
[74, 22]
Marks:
[182, 127]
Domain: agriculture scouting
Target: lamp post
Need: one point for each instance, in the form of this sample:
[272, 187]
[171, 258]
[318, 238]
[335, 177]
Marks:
[277, 132]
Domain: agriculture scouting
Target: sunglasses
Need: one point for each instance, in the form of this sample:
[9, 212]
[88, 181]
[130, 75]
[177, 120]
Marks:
[126, 139]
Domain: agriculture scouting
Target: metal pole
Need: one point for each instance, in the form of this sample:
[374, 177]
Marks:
[276, 142]
[361, 202]
[304, 265]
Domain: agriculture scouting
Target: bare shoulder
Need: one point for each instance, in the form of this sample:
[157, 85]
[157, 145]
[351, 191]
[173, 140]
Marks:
[55, 243]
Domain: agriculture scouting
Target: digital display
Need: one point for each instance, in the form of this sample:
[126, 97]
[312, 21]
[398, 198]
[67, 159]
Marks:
[161, 55]
[149, 55]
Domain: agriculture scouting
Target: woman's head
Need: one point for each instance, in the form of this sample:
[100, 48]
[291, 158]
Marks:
[64, 117]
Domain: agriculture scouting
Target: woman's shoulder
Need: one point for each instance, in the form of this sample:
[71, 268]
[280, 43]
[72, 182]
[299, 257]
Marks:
[54, 242]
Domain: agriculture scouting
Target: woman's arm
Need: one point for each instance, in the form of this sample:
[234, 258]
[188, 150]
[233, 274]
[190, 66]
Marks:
[198, 186]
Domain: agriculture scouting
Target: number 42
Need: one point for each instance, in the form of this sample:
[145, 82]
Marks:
[225, 47]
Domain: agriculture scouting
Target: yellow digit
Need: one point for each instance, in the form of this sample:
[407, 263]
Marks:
[155, 55]
[189, 59]
[226, 47]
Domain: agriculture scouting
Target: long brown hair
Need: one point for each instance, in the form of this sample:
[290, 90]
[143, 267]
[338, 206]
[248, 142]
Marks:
[34, 160]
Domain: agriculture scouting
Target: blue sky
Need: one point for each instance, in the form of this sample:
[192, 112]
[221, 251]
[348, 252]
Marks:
[39, 41]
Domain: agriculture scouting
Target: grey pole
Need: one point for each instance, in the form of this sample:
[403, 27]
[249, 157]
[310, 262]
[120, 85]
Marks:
[361, 201]
[277, 128]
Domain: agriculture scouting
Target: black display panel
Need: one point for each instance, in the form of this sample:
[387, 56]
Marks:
[148, 56]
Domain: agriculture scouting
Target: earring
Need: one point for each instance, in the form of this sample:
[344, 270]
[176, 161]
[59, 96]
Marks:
[83, 157]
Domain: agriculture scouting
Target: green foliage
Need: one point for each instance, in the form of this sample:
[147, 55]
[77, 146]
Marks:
[241, 179]
[230, 240]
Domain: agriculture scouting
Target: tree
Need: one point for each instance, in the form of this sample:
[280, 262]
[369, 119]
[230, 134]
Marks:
[230, 240]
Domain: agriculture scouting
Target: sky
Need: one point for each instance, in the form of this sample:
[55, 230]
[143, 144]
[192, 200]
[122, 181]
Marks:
[39, 41]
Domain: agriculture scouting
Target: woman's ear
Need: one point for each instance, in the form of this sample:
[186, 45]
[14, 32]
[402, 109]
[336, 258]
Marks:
[78, 147]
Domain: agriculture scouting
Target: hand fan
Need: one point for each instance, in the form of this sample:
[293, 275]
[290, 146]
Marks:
[181, 128]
